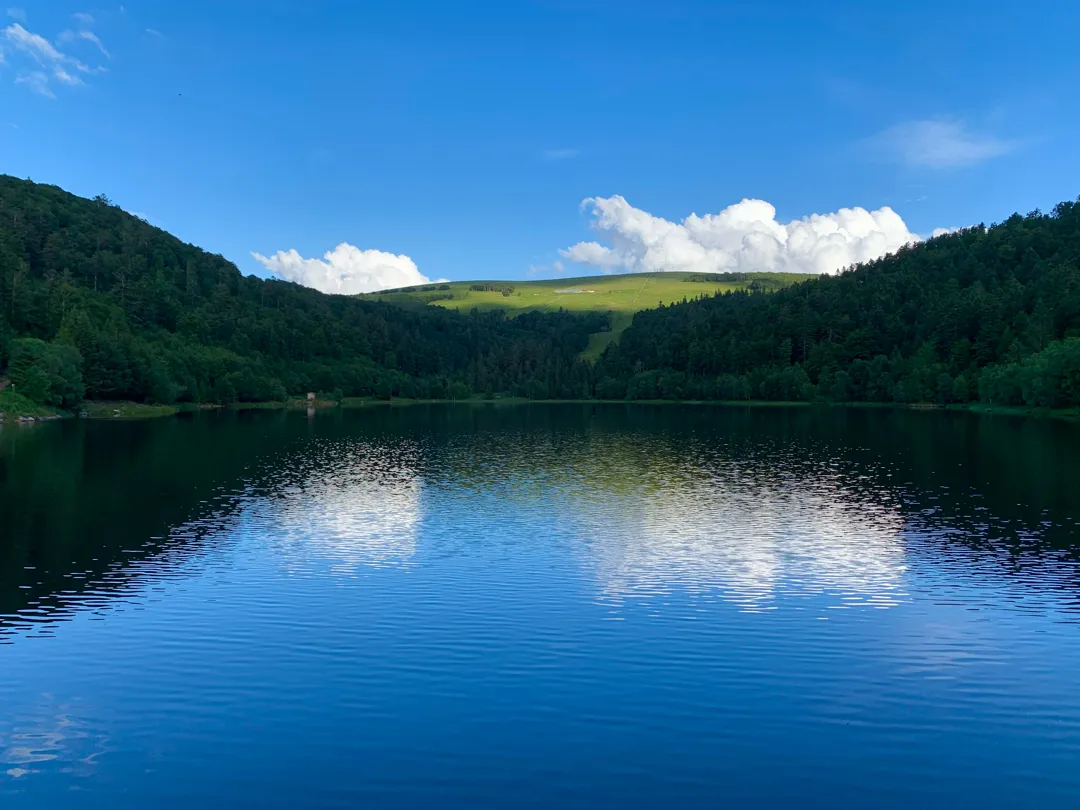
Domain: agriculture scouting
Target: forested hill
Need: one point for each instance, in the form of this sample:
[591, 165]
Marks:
[96, 302]
[989, 314]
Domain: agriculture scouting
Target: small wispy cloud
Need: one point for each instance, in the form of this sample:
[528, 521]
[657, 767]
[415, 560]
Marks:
[37, 46]
[145, 218]
[47, 62]
[82, 18]
[556, 268]
[64, 77]
[943, 232]
[939, 144]
[561, 154]
[67, 37]
[36, 80]
[17, 14]
[155, 33]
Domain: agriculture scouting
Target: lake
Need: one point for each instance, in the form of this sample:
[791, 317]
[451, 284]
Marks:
[541, 606]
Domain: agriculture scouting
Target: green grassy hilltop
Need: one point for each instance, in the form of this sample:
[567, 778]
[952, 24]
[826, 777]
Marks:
[621, 295]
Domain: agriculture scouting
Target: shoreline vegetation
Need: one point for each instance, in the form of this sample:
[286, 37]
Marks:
[99, 307]
[15, 409]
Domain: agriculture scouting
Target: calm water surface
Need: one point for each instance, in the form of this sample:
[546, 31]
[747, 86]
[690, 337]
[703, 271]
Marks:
[541, 606]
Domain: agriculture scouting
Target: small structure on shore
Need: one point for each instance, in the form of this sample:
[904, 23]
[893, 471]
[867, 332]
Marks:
[310, 397]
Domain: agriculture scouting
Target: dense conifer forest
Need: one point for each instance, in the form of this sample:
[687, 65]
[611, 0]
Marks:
[983, 314]
[97, 304]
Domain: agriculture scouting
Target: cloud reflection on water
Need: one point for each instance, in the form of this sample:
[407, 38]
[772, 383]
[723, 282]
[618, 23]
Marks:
[52, 732]
[358, 505]
[749, 532]
[748, 550]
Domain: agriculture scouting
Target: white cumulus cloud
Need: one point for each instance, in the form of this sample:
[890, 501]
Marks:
[345, 270]
[744, 237]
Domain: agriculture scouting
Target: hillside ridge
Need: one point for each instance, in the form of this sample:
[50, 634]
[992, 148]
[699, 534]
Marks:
[985, 314]
[621, 295]
[97, 304]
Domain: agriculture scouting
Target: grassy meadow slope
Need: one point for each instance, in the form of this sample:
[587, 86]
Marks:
[621, 295]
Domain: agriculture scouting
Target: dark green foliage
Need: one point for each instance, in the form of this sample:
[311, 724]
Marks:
[47, 373]
[157, 320]
[984, 313]
[1050, 378]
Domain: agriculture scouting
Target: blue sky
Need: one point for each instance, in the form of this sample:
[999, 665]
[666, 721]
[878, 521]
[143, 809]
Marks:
[466, 135]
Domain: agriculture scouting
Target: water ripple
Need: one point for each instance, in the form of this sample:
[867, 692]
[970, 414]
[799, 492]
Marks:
[541, 607]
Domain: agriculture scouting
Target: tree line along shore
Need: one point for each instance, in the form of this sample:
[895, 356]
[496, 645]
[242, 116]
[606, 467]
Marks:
[98, 306]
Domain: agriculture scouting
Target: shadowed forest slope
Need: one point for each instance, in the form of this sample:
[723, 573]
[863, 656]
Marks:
[154, 319]
[989, 314]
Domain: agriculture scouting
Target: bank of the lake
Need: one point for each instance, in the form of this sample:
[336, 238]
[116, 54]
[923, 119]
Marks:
[15, 408]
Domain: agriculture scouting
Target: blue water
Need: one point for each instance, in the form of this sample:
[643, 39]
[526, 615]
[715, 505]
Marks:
[541, 607]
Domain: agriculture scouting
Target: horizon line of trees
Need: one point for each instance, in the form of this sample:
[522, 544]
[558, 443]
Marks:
[97, 303]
